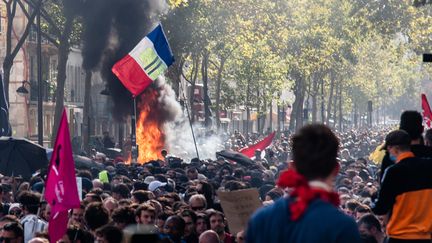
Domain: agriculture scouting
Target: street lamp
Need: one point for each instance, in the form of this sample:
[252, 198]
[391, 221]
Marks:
[22, 90]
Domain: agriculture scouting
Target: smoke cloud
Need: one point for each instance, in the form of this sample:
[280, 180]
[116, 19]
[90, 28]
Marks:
[111, 29]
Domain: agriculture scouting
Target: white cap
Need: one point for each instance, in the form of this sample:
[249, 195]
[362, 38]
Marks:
[155, 185]
[149, 179]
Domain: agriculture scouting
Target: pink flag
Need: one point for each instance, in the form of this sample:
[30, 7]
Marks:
[61, 188]
[427, 113]
[250, 151]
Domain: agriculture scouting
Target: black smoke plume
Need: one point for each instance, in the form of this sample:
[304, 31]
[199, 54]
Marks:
[111, 29]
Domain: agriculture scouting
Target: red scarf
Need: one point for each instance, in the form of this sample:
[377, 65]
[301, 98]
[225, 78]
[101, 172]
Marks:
[303, 193]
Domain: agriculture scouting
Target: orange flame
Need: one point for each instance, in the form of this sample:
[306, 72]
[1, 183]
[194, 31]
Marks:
[149, 133]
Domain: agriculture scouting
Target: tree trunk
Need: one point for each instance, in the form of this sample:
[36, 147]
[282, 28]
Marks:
[218, 90]
[194, 76]
[330, 98]
[258, 112]
[322, 102]
[63, 54]
[247, 109]
[87, 111]
[297, 108]
[314, 98]
[271, 116]
[340, 108]
[334, 113]
[204, 73]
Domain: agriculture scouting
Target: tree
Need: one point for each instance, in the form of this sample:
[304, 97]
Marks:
[11, 52]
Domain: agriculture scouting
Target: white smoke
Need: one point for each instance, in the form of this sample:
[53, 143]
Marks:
[179, 140]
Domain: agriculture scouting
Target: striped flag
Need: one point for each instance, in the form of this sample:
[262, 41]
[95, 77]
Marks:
[145, 63]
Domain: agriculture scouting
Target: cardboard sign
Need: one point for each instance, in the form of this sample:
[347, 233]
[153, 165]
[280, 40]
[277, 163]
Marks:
[238, 206]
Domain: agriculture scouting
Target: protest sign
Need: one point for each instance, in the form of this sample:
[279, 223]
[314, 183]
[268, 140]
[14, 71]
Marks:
[238, 206]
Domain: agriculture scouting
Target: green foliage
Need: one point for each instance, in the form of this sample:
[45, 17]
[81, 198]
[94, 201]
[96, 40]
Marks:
[368, 48]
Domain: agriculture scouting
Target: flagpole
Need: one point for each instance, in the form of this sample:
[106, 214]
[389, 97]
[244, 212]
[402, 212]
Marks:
[190, 123]
[134, 148]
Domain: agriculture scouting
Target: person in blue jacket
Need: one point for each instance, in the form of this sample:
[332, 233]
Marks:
[310, 213]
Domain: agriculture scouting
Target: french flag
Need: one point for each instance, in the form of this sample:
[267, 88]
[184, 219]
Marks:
[145, 63]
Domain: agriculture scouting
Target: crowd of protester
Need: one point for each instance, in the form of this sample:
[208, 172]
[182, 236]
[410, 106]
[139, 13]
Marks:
[173, 200]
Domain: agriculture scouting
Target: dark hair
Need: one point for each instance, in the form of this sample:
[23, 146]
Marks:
[352, 204]
[178, 220]
[124, 215]
[363, 209]
[74, 234]
[275, 193]
[189, 213]
[96, 215]
[204, 217]
[30, 201]
[211, 212]
[145, 207]
[315, 149]
[9, 218]
[121, 189]
[412, 123]
[14, 227]
[233, 185]
[370, 221]
[110, 233]
[142, 196]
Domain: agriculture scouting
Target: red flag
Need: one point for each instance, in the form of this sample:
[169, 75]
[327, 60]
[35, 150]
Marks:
[61, 188]
[427, 113]
[250, 151]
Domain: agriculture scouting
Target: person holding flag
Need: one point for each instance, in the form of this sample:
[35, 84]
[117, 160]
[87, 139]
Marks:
[61, 191]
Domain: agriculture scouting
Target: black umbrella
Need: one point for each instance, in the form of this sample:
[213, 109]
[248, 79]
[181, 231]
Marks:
[21, 157]
[236, 156]
[81, 162]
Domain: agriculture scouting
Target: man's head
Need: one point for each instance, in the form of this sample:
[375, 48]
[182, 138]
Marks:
[397, 142]
[110, 204]
[30, 202]
[174, 227]
[192, 173]
[412, 123]
[190, 218]
[96, 215]
[123, 216]
[217, 221]
[209, 236]
[362, 210]
[141, 196]
[109, 234]
[145, 214]
[202, 223]
[77, 214]
[369, 225]
[314, 150]
[198, 203]
[12, 233]
[120, 191]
